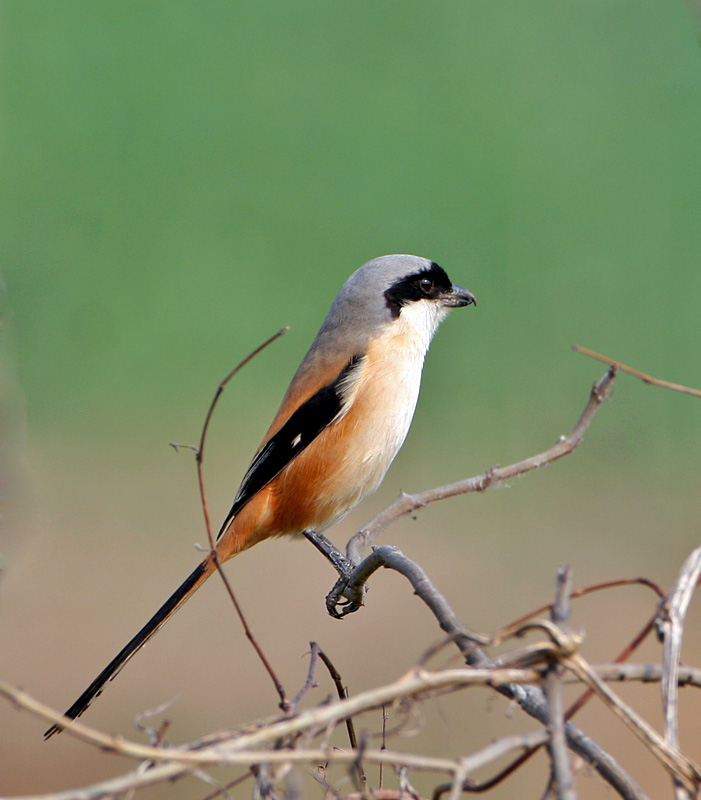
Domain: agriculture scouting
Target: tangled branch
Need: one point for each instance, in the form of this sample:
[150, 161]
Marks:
[531, 675]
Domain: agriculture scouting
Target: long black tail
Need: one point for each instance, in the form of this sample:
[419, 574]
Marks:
[181, 594]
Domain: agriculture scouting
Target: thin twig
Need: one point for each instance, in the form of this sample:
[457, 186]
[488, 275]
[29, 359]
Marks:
[405, 787]
[552, 687]
[383, 745]
[613, 672]
[530, 698]
[677, 387]
[586, 590]
[199, 458]
[310, 683]
[230, 785]
[155, 736]
[199, 453]
[382, 794]
[494, 751]
[642, 673]
[672, 615]
[218, 747]
[406, 503]
[624, 655]
[675, 761]
[342, 692]
[171, 771]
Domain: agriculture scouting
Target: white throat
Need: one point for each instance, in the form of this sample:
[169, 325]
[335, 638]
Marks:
[419, 321]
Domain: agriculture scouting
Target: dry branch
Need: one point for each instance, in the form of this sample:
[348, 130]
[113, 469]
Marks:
[677, 387]
[676, 762]
[672, 614]
[407, 503]
[530, 698]
[230, 749]
[417, 682]
[199, 458]
[642, 673]
[561, 778]
[269, 749]
[285, 742]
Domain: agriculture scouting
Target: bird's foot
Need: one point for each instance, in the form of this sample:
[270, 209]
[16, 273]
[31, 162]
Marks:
[344, 599]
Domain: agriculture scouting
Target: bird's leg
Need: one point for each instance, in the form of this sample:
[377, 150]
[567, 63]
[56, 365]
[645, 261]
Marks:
[328, 549]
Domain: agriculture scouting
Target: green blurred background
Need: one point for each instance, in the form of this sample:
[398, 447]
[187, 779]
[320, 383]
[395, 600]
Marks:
[182, 179]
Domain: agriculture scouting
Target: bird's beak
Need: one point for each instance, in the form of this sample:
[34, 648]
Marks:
[458, 297]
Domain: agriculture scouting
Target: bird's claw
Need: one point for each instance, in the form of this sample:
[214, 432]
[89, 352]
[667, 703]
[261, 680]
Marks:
[341, 600]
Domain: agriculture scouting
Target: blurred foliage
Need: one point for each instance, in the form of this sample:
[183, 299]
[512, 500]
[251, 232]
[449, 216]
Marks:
[181, 179]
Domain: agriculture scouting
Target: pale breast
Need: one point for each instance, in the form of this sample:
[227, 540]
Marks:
[381, 405]
[349, 459]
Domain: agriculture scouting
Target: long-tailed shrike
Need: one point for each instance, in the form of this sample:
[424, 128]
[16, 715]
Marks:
[341, 423]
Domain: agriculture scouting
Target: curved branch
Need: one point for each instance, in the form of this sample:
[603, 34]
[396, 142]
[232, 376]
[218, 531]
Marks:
[671, 624]
[644, 377]
[530, 698]
[406, 503]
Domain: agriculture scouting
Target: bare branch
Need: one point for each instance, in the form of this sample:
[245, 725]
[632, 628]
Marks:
[199, 452]
[627, 651]
[597, 587]
[268, 750]
[672, 614]
[676, 762]
[199, 458]
[160, 773]
[530, 698]
[677, 387]
[643, 673]
[493, 752]
[342, 693]
[220, 747]
[382, 794]
[552, 687]
[406, 503]
[310, 683]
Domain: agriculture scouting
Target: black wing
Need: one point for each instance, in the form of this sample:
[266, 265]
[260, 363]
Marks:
[300, 430]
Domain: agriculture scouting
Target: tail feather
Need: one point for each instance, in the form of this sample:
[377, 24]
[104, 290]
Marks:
[171, 605]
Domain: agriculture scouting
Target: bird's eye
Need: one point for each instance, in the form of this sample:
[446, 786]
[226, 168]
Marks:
[426, 285]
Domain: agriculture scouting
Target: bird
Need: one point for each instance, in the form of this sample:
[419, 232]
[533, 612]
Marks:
[341, 422]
